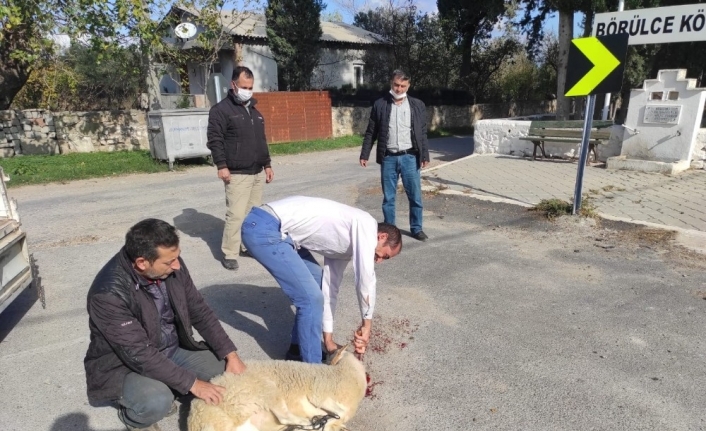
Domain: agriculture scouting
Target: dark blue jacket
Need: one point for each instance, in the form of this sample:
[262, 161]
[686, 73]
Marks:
[236, 136]
[379, 128]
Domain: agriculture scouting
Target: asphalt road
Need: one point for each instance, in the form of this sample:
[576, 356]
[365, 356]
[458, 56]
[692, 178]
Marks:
[501, 321]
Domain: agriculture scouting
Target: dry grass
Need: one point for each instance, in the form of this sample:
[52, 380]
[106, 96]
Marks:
[552, 208]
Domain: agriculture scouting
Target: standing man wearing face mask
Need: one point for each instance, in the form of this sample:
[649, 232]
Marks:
[236, 138]
[398, 124]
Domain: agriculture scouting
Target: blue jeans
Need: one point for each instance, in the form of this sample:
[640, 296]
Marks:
[405, 166]
[297, 273]
[146, 401]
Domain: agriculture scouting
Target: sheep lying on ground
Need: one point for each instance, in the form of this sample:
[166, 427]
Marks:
[281, 395]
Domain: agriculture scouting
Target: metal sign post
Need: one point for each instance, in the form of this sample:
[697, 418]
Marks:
[583, 155]
[595, 66]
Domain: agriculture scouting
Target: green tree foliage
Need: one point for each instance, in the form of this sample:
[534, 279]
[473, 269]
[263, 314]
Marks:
[294, 36]
[468, 24]
[417, 44]
[488, 58]
[22, 26]
[78, 80]
[537, 12]
[643, 61]
[521, 79]
[104, 25]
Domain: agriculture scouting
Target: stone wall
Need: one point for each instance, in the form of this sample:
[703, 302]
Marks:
[85, 132]
[45, 132]
[353, 120]
[27, 132]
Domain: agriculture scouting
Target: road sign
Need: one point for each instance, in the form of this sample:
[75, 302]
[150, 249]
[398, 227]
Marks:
[686, 23]
[596, 65]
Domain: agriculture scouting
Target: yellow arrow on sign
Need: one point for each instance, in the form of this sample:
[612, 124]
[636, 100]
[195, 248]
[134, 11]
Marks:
[604, 62]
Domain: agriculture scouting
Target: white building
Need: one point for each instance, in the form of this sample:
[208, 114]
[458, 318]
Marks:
[341, 59]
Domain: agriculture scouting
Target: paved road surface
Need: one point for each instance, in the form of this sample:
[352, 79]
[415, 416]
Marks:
[502, 321]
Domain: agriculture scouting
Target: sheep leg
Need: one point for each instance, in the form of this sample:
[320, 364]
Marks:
[331, 406]
[280, 410]
[210, 418]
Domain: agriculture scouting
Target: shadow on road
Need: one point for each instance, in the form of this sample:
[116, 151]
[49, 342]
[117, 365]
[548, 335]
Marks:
[204, 226]
[264, 313]
[451, 148]
[14, 312]
[73, 422]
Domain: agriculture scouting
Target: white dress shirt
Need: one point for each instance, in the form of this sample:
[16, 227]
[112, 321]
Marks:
[340, 233]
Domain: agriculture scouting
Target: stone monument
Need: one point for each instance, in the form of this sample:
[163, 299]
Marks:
[662, 124]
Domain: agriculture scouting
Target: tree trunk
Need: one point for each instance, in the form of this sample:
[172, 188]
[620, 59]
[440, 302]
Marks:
[12, 78]
[566, 32]
[466, 58]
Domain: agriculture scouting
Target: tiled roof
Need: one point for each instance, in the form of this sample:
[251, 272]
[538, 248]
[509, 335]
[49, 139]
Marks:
[254, 26]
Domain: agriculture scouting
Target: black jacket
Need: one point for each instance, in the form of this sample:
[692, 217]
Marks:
[125, 330]
[236, 136]
[379, 128]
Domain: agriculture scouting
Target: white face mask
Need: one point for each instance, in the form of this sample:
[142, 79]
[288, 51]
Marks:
[243, 95]
[398, 96]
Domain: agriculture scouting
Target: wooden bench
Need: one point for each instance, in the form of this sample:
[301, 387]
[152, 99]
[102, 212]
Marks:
[567, 132]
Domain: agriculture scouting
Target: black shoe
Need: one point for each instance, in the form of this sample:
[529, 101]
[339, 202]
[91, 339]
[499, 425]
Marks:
[294, 354]
[420, 236]
[245, 253]
[230, 264]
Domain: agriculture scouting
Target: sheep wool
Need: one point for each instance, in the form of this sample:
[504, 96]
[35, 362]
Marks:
[274, 395]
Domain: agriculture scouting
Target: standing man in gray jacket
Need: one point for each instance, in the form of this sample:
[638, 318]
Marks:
[236, 138]
[399, 125]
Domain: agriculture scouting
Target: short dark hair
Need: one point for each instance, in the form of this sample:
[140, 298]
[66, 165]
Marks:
[241, 70]
[143, 239]
[399, 74]
[394, 236]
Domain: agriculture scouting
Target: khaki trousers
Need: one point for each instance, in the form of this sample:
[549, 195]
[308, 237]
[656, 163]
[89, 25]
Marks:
[242, 193]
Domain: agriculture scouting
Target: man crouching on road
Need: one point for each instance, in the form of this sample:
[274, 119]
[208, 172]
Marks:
[141, 308]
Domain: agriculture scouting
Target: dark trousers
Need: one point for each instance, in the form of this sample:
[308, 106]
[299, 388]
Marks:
[146, 401]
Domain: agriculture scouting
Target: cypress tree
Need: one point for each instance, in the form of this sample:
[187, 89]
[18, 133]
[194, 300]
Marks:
[294, 37]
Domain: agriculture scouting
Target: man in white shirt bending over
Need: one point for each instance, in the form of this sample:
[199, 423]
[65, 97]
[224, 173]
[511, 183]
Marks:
[282, 235]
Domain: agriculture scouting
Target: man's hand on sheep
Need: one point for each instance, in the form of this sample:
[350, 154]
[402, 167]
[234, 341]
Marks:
[208, 392]
[234, 364]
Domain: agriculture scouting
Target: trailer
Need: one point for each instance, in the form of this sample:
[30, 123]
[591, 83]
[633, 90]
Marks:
[16, 264]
